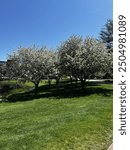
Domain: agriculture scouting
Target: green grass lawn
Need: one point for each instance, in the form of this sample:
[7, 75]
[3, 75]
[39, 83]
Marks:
[60, 119]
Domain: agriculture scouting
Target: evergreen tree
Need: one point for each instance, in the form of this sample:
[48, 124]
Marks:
[106, 35]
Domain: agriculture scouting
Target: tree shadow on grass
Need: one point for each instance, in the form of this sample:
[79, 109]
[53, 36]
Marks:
[65, 90]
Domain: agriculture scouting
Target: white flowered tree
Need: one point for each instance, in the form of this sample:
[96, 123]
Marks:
[29, 64]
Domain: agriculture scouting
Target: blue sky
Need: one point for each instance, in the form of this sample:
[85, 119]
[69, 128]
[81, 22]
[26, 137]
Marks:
[49, 22]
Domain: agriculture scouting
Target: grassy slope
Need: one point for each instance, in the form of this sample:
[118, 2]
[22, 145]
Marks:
[77, 123]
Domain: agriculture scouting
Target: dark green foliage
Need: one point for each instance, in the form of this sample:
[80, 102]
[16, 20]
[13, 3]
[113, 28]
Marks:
[106, 35]
[2, 70]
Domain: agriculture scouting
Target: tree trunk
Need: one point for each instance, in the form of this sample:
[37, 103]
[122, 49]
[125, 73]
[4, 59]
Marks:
[71, 80]
[36, 87]
[49, 83]
[82, 84]
[76, 81]
[57, 82]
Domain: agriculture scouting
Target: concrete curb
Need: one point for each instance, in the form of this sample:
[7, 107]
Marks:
[110, 147]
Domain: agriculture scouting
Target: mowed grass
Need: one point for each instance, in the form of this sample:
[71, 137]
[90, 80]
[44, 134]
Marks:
[51, 122]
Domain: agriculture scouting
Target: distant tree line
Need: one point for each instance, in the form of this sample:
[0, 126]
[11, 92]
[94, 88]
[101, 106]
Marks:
[77, 58]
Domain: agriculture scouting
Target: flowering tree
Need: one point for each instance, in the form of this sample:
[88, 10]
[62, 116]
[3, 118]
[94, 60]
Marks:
[50, 65]
[86, 59]
[91, 61]
[57, 72]
[29, 64]
[67, 53]
[77, 58]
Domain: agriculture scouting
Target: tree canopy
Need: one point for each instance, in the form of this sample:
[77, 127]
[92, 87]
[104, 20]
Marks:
[76, 57]
[31, 64]
[83, 59]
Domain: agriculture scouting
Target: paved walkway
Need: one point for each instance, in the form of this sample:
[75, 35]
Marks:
[111, 147]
